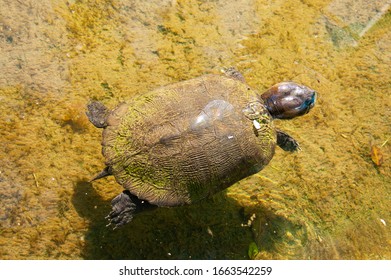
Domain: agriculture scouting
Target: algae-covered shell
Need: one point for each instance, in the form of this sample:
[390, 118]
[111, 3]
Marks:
[183, 142]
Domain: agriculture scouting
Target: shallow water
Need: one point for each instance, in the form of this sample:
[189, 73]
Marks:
[332, 200]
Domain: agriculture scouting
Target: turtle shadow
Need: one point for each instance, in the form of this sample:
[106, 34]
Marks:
[216, 228]
[211, 229]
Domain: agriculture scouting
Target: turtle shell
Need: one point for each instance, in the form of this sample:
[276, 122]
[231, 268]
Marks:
[183, 142]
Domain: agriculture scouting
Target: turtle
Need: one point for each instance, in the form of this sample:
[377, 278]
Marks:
[183, 142]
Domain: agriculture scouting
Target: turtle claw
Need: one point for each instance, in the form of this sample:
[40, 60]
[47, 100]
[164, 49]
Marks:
[109, 224]
[287, 142]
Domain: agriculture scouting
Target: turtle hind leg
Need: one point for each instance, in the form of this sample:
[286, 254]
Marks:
[124, 207]
[97, 114]
[287, 142]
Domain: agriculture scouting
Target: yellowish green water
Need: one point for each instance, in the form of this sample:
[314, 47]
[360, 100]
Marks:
[329, 201]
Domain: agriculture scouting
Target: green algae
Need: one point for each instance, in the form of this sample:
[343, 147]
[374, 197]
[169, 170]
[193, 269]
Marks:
[252, 250]
[326, 202]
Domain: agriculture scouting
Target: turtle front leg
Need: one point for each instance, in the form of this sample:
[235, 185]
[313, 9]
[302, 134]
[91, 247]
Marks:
[286, 142]
[233, 73]
[97, 114]
[124, 207]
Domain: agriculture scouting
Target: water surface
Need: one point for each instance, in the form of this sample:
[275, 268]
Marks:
[329, 201]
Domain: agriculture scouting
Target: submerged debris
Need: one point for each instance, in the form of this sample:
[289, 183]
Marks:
[376, 155]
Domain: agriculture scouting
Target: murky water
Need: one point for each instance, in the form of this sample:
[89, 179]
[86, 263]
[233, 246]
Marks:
[332, 200]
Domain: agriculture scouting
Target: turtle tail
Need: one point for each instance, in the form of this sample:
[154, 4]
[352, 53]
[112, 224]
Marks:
[104, 173]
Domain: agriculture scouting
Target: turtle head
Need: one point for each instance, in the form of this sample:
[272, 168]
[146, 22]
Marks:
[288, 100]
